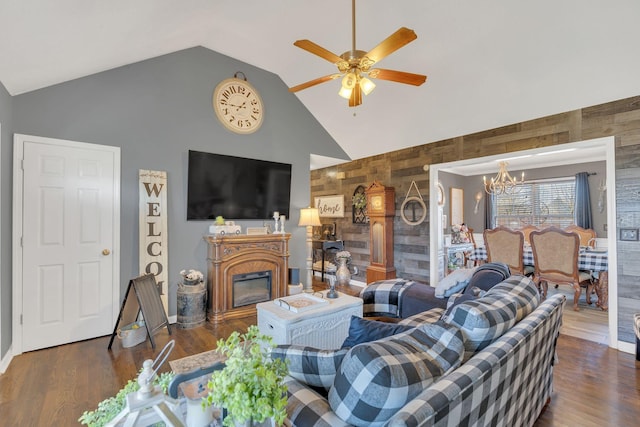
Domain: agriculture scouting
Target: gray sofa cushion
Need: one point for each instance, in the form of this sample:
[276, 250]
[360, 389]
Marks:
[310, 365]
[429, 316]
[376, 379]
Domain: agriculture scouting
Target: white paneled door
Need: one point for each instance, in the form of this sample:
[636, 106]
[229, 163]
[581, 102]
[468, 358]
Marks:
[69, 245]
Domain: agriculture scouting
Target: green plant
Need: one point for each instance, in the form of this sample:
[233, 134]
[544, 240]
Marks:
[359, 200]
[251, 386]
[109, 408]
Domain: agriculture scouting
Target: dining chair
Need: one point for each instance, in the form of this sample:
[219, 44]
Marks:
[587, 235]
[526, 230]
[505, 245]
[467, 254]
[555, 258]
[587, 239]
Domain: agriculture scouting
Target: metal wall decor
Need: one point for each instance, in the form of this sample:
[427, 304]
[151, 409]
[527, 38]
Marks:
[359, 203]
[413, 210]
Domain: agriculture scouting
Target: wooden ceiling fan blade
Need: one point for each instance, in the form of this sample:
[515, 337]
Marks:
[397, 76]
[314, 82]
[392, 43]
[318, 50]
[356, 96]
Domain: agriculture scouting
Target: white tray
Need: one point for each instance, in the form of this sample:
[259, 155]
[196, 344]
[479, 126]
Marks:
[300, 302]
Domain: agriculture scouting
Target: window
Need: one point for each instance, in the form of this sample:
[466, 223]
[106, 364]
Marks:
[541, 203]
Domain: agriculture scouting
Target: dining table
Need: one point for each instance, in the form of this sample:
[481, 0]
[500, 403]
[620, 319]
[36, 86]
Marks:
[595, 260]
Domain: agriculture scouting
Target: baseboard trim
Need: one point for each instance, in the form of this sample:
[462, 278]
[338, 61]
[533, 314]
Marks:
[6, 360]
[626, 347]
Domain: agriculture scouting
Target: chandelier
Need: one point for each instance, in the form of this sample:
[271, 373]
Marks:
[502, 183]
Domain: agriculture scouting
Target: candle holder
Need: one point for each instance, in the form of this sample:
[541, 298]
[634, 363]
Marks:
[332, 293]
[276, 219]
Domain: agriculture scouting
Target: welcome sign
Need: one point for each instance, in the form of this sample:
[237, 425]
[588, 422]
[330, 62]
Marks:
[154, 254]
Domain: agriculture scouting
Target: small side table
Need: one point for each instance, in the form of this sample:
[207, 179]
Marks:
[325, 327]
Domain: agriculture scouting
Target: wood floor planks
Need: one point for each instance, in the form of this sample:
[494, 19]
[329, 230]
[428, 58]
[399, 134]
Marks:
[593, 384]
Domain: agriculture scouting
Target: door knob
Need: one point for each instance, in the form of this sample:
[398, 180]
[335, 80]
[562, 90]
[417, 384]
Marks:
[106, 252]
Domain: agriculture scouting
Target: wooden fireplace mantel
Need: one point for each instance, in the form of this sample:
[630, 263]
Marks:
[228, 255]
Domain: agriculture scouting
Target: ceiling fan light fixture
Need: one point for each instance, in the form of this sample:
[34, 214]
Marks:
[367, 85]
[345, 93]
[349, 80]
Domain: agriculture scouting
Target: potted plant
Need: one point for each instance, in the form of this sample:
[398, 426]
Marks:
[112, 406]
[251, 386]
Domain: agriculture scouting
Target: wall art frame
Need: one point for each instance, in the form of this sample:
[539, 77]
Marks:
[330, 206]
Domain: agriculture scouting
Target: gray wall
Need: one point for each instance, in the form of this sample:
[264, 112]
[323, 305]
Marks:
[156, 110]
[6, 142]
[473, 184]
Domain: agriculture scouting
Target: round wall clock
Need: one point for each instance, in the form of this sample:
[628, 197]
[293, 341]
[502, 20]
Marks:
[238, 105]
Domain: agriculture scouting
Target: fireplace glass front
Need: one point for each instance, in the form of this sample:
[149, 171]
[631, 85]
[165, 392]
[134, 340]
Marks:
[251, 288]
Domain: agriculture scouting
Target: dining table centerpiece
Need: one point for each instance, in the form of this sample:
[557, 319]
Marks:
[459, 234]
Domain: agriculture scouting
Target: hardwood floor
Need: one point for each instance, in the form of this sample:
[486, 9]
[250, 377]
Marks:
[590, 323]
[594, 385]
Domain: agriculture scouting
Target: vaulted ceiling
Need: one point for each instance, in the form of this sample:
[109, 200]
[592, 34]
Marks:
[489, 63]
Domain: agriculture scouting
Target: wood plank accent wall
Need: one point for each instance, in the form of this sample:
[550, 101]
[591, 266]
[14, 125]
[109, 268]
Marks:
[398, 168]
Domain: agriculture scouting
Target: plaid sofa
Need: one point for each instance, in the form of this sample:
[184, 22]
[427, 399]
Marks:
[506, 382]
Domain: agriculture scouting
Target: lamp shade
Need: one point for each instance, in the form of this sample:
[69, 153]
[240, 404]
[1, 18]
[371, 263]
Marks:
[309, 216]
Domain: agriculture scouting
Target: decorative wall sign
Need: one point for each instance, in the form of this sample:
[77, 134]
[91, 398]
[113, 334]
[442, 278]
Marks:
[330, 206]
[154, 249]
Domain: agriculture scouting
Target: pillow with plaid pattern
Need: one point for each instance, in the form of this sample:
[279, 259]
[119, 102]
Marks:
[310, 365]
[376, 379]
[483, 320]
[523, 289]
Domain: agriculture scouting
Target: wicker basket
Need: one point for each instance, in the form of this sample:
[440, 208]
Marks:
[131, 336]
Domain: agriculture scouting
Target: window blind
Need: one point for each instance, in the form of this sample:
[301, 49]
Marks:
[542, 203]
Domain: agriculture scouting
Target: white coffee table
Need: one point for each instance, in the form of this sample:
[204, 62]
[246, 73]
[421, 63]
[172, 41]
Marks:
[325, 327]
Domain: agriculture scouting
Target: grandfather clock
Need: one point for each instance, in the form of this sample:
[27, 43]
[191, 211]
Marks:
[381, 210]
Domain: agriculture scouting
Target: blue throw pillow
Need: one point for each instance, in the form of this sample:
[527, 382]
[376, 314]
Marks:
[363, 330]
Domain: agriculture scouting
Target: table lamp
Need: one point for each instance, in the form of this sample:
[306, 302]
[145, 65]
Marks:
[309, 218]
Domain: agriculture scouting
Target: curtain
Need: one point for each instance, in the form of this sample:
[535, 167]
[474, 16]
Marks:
[488, 212]
[582, 208]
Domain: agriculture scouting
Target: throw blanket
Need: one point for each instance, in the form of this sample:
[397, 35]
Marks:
[499, 267]
[383, 298]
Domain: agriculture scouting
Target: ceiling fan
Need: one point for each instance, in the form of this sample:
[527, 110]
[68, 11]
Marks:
[355, 65]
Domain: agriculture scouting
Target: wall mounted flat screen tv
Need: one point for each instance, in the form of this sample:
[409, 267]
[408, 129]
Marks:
[236, 187]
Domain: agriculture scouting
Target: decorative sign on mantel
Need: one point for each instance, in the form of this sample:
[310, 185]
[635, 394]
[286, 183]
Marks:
[154, 249]
[330, 206]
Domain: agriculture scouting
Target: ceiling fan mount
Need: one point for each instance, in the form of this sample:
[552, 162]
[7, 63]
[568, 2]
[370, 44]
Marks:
[354, 65]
